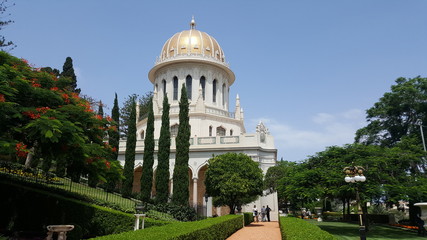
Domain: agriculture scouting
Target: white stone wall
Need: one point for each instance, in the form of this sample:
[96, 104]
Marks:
[196, 71]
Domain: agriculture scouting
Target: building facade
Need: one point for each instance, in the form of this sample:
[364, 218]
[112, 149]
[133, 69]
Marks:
[194, 58]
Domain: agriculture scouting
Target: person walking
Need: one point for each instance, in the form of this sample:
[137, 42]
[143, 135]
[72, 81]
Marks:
[267, 211]
[255, 213]
[263, 214]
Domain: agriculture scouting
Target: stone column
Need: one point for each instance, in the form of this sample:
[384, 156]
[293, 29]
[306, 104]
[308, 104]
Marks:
[194, 191]
[209, 207]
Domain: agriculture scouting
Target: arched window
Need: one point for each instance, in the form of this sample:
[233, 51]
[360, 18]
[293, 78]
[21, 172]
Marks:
[142, 135]
[188, 85]
[220, 131]
[174, 130]
[214, 90]
[223, 94]
[175, 88]
[210, 131]
[164, 87]
[203, 85]
[231, 132]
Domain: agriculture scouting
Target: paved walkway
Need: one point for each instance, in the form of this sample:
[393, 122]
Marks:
[258, 231]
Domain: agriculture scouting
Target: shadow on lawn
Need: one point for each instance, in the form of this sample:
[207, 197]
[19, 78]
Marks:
[351, 231]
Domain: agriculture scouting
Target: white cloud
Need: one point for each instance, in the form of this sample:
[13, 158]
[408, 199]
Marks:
[297, 142]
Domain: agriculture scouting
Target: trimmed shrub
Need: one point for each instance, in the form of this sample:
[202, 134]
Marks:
[46, 208]
[296, 229]
[208, 229]
[180, 213]
[248, 218]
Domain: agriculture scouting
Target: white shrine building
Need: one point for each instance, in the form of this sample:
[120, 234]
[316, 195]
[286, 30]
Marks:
[195, 58]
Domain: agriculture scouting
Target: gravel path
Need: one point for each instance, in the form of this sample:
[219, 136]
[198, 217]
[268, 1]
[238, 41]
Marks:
[258, 231]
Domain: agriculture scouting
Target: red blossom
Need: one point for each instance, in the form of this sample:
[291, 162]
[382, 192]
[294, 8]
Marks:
[113, 128]
[75, 95]
[54, 89]
[31, 114]
[109, 119]
[35, 83]
[107, 164]
[66, 97]
[21, 149]
[42, 109]
[2, 99]
[99, 117]
[114, 149]
[24, 60]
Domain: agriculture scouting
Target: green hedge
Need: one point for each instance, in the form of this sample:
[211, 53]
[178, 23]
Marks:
[296, 229]
[248, 217]
[208, 229]
[31, 210]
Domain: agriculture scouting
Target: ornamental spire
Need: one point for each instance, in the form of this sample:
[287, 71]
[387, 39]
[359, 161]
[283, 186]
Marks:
[192, 23]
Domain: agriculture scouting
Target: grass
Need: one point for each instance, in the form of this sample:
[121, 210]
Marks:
[350, 231]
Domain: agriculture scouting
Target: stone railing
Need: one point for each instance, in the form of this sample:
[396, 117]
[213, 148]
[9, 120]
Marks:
[219, 112]
[204, 57]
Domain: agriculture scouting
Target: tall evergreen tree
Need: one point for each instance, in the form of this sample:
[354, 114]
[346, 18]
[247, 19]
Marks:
[130, 154]
[180, 174]
[113, 133]
[68, 71]
[100, 109]
[147, 165]
[162, 173]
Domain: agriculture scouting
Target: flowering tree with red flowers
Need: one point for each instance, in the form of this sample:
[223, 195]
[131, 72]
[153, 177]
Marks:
[41, 119]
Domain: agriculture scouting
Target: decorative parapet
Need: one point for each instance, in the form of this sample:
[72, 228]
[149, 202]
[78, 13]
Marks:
[204, 57]
[206, 140]
[229, 140]
[217, 142]
[219, 112]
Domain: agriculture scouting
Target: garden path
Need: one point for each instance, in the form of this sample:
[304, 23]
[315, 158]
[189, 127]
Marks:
[258, 231]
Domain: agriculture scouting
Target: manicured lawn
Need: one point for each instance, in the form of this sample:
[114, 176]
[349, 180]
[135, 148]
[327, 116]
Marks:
[350, 231]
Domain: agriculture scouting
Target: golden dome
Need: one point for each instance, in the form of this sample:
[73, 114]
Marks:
[192, 43]
[192, 46]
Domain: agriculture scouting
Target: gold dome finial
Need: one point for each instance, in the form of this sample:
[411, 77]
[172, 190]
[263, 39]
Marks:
[192, 23]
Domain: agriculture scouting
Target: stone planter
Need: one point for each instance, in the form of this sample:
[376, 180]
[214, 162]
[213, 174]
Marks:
[423, 206]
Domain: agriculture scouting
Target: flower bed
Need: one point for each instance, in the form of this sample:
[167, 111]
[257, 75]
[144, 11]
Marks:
[404, 226]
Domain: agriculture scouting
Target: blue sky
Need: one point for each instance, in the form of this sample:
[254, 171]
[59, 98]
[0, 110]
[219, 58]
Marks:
[308, 69]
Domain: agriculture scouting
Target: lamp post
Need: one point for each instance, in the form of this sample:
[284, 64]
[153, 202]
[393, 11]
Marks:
[420, 123]
[355, 174]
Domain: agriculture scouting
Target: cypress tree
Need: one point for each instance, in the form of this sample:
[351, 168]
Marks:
[68, 71]
[147, 165]
[162, 173]
[113, 133]
[180, 174]
[130, 154]
[100, 109]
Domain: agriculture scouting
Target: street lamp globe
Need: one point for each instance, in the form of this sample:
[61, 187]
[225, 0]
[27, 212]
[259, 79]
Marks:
[347, 179]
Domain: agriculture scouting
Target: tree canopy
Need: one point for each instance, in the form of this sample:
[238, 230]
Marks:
[5, 44]
[233, 180]
[44, 124]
